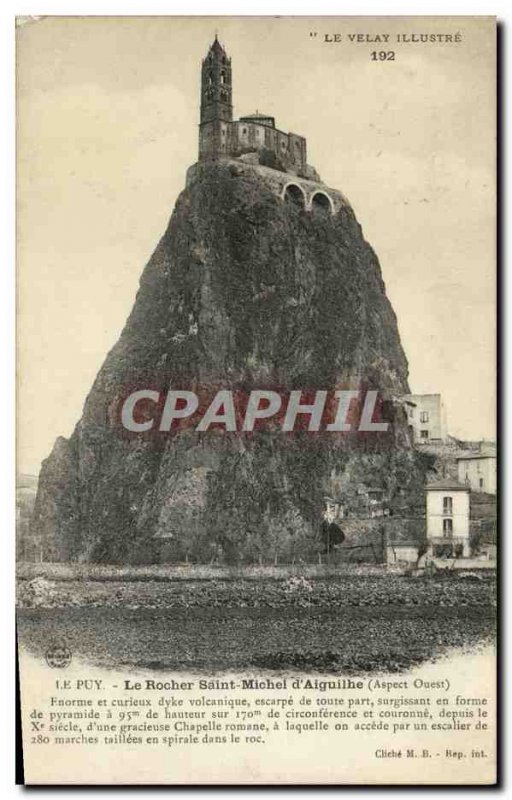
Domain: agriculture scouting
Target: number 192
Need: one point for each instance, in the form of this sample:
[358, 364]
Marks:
[383, 55]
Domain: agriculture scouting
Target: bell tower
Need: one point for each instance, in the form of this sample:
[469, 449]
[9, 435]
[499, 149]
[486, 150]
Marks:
[216, 102]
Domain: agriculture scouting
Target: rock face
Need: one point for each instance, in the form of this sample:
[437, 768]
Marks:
[247, 291]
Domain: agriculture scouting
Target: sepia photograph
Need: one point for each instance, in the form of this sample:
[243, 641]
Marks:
[256, 503]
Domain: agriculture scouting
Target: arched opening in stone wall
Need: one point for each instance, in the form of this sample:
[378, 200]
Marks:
[294, 194]
[321, 203]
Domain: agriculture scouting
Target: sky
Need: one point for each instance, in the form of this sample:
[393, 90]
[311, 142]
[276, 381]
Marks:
[107, 117]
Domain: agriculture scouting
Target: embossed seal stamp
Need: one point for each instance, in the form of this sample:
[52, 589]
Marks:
[58, 655]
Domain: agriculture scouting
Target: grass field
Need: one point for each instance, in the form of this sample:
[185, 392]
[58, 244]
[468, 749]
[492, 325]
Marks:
[347, 623]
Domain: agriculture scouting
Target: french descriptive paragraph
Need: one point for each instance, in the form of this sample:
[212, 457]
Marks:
[173, 713]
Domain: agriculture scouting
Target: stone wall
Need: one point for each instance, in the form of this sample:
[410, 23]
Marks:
[277, 181]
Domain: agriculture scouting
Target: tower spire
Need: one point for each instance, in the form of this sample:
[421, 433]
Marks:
[216, 100]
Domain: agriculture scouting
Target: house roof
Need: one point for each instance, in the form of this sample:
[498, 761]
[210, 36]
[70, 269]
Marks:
[264, 119]
[257, 115]
[446, 484]
[474, 456]
[425, 394]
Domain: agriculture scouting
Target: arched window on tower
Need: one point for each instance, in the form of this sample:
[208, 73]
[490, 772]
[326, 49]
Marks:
[223, 76]
[210, 78]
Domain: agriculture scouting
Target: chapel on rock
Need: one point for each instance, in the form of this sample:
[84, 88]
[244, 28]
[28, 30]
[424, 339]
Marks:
[256, 141]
